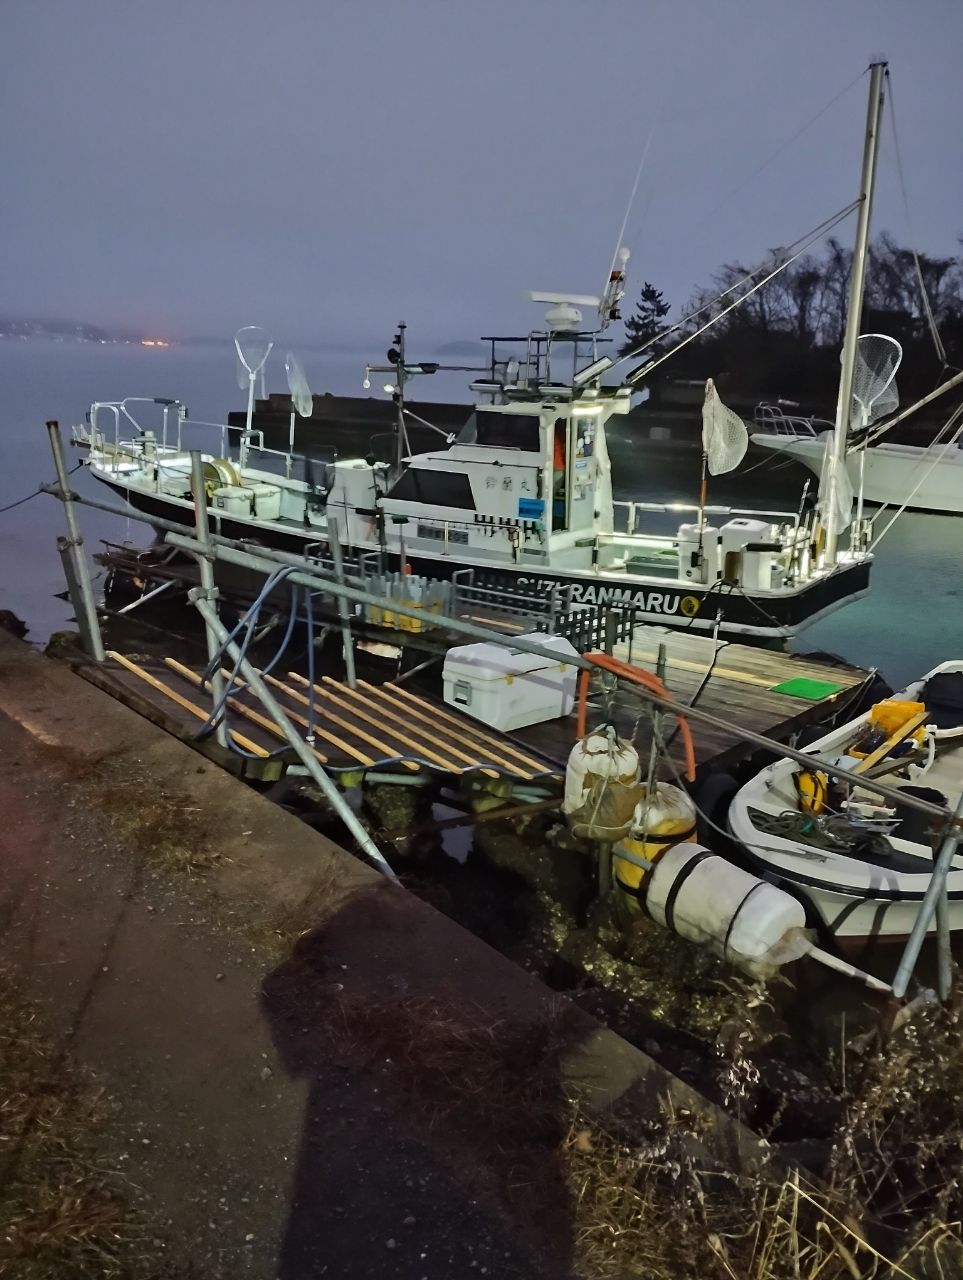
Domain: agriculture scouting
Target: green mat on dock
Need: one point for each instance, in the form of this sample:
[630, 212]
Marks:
[811, 690]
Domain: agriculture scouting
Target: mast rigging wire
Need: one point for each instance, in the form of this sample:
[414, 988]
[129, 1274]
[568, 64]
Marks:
[927, 306]
[805, 243]
[778, 152]
[826, 225]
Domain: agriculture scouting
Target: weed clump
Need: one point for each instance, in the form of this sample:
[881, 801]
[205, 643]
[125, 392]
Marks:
[61, 1208]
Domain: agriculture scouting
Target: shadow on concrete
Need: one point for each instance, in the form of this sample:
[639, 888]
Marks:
[435, 1114]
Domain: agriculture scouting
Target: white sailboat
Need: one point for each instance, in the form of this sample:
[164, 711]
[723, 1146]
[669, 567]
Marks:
[917, 477]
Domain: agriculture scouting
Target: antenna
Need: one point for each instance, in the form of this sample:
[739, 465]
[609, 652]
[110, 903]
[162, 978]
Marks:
[614, 290]
[564, 316]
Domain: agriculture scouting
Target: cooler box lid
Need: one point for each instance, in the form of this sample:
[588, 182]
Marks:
[486, 661]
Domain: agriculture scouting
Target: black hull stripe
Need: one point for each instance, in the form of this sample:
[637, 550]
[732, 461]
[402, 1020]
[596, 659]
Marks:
[869, 894]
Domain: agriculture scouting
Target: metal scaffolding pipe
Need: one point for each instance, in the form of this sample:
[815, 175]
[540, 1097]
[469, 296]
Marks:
[72, 554]
[204, 558]
[298, 745]
[930, 906]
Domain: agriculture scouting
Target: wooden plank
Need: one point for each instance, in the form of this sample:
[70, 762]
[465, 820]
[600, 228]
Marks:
[424, 753]
[477, 742]
[392, 713]
[335, 741]
[487, 747]
[237, 705]
[342, 724]
[186, 705]
[498, 746]
[741, 664]
[893, 740]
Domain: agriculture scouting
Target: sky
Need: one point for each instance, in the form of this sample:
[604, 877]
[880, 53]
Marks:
[326, 168]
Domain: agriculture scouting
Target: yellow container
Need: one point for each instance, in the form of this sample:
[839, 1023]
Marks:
[668, 819]
[893, 712]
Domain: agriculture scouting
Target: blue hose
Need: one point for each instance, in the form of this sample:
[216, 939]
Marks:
[309, 609]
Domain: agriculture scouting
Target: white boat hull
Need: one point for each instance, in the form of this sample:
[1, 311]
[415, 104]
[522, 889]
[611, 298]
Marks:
[925, 479]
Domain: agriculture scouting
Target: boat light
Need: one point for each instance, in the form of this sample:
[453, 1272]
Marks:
[592, 371]
[583, 410]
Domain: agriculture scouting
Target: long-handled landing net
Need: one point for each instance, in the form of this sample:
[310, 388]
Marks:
[725, 440]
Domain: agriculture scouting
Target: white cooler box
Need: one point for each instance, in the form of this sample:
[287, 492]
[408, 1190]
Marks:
[506, 688]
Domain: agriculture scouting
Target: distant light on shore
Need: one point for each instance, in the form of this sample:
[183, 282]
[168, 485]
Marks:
[154, 342]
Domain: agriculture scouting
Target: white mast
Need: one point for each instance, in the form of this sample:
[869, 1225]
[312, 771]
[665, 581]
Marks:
[854, 313]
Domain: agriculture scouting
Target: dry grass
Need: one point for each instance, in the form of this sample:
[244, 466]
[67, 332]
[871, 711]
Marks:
[61, 1211]
[658, 1208]
[655, 1211]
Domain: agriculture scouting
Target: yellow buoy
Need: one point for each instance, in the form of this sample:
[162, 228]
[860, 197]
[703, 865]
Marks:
[664, 819]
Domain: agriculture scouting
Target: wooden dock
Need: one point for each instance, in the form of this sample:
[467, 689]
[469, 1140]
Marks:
[738, 683]
[395, 728]
[372, 727]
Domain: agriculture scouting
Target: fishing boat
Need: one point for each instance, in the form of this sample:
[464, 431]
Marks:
[520, 500]
[862, 864]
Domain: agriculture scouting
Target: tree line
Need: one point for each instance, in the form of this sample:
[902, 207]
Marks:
[785, 340]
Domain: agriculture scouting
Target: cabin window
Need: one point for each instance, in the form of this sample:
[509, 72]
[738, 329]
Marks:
[436, 488]
[501, 431]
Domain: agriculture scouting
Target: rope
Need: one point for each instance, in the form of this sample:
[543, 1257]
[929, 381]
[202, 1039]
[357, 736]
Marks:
[778, 152]
[805, 242]
[927, 307]
[20, 501]
[954, 417]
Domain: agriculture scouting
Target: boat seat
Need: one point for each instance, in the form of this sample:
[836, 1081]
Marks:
[943, 695]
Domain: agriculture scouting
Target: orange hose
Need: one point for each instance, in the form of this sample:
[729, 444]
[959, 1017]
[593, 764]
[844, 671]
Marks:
[636, 675]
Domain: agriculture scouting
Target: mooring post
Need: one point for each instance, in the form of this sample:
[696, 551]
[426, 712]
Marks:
[300, 747]
[935, 893]
[347, 646]
[205, 559]
[72, 556]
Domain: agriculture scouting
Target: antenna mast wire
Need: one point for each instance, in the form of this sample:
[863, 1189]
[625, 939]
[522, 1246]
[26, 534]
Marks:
[635, 188]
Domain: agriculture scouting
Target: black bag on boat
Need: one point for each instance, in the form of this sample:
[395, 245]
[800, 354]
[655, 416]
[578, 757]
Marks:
[943, 695]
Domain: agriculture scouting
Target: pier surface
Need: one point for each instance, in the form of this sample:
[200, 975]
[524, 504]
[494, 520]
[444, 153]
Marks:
[227, 974]
[764, 690]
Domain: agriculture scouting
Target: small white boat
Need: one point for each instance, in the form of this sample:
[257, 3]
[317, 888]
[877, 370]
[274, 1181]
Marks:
[925, 479]
[863, 865]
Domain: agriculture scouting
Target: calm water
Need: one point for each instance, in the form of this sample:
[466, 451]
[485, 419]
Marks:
[912, 619]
